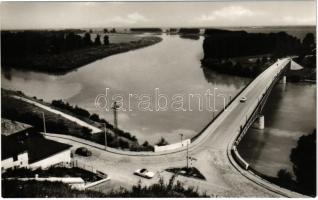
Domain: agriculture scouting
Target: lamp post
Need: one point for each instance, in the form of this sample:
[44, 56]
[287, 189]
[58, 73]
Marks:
[181, 134]
[44, 126]
[115, 108]
[222, 95]
[214, 95]
[187, 155]
[105, 130]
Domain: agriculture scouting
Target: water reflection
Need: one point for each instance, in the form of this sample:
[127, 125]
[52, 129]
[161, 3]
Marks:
[215, 77]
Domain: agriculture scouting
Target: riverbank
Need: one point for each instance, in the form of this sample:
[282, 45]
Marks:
[19, 107]
[68, 61]
[247, 66]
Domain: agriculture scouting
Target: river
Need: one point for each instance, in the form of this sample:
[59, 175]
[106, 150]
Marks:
[290, 112]
[173, 66]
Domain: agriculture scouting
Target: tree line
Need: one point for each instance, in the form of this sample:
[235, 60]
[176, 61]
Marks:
[221, 44]
[24, 43]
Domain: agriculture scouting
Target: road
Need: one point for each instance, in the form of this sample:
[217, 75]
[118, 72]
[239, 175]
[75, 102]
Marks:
[210, 150]
[69, 117]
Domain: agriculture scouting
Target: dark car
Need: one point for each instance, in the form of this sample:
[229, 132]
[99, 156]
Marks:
[83, 151]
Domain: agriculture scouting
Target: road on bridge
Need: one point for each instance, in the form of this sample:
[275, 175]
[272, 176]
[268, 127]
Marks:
[223, 179]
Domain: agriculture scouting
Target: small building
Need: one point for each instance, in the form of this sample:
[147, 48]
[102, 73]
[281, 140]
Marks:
[33, 151]
[13, 154]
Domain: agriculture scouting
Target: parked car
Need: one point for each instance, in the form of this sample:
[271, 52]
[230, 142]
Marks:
[243, 99]
[144, 173]
[83, 151]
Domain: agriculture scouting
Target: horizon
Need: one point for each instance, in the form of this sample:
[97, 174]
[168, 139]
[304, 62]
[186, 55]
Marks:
[177, 27]
[77, 15]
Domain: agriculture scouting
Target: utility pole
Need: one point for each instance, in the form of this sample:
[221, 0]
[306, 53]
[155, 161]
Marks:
[44, 127]
[187, 155]
[105, 130]
[214, 96]
[115, 107]
[181, 138]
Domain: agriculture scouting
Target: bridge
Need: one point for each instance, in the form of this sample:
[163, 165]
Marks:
[227, 174]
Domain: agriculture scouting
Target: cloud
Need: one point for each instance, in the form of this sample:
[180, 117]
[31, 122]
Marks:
[298, 20]
[132, 18]
[229, 13]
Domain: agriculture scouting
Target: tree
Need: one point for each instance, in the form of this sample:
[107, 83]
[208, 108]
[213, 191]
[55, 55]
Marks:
[145, 144]
[87, 39]
[309, 42]
[95, 117]
[105, 30]
[285, 177]
[303, 158]
[162, 142]
[106, 40]
[97, 41]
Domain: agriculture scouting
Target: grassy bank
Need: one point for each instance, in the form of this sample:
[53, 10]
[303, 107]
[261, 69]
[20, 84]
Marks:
[21, 111]
[70, 60]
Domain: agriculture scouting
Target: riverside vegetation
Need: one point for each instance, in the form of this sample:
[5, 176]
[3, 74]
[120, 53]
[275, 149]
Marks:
[59, 51]
[18, 110]
[248, 54]
[19, 189]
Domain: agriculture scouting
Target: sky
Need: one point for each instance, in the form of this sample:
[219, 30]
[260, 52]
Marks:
[44, 15]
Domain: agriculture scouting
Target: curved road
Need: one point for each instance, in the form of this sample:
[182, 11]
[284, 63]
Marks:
[210, 150]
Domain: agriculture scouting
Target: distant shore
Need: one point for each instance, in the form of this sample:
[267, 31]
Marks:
[68, 61]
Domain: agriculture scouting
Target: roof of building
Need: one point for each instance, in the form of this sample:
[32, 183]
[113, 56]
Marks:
[35, 144]
[40, 148]
[9, 127]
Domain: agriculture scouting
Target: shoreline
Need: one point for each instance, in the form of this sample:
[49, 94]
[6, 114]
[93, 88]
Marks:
[72, 60]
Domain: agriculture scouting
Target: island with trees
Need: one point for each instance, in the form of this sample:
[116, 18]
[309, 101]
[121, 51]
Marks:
[189, 33]
[60, 51]
[248, 54]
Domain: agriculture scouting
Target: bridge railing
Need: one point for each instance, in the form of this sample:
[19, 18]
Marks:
[255, 110]
[218, 114]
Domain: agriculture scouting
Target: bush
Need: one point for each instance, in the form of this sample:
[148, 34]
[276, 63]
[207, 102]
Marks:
[22, 189]
[303, 158]
[162, 142]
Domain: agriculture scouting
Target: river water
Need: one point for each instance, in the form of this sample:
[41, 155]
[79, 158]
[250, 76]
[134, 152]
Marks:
[172, 66]
[290, 112]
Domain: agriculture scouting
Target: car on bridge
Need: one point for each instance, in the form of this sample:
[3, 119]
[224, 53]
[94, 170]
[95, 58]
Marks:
[144, 173]
[243, 99]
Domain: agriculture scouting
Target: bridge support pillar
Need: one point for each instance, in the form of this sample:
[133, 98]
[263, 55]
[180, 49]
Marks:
[283, 80]
[259, 122]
